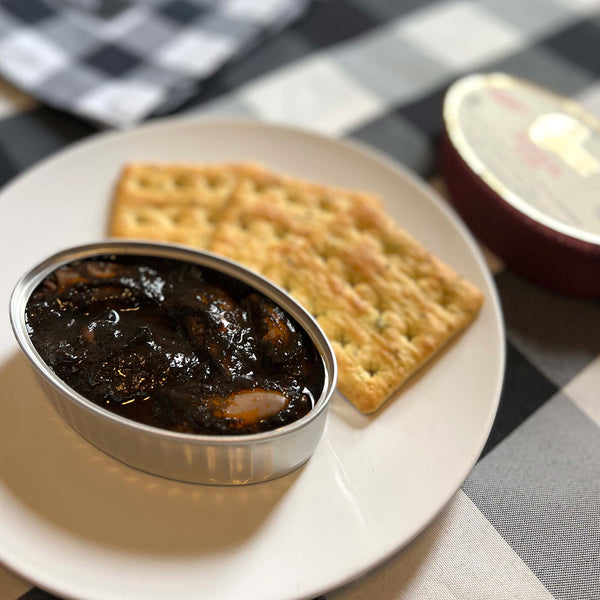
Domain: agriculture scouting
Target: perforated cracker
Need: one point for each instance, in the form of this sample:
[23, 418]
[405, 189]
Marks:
[172, 202]
[268, 208]
[368, 246]
[384, 301]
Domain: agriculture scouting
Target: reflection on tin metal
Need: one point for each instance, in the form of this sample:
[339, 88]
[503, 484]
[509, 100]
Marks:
[229, 458]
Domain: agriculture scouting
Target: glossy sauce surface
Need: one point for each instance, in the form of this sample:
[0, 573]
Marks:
[174, 345]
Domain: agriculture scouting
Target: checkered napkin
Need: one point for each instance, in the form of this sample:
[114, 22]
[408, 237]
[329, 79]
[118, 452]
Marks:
[116, 62]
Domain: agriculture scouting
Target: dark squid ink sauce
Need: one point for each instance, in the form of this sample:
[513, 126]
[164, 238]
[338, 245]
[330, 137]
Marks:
[174, 345]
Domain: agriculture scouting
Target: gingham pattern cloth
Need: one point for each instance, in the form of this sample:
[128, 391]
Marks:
[116, 61]
[526, 522]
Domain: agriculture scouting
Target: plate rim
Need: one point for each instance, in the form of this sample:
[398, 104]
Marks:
[364, 151]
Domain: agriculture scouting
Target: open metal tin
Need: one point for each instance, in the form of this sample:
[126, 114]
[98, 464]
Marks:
[208, 459]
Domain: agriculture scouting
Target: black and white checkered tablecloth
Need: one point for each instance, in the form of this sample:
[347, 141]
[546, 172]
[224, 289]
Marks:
[117, 61]
[526, 523]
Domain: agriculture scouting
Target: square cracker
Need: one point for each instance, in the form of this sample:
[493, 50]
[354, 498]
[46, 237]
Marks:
[172, 202]
[386, 304]
[267, 208]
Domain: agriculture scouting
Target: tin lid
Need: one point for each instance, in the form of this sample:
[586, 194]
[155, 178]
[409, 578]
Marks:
[520, 155]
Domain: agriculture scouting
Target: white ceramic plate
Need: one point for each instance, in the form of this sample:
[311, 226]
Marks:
[83, 525]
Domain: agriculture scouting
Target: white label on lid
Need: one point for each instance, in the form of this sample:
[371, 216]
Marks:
[540, 152]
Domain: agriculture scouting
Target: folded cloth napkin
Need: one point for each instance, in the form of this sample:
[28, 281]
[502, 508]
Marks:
[117, 62]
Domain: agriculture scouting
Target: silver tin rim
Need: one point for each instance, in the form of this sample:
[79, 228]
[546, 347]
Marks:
[29, 281]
